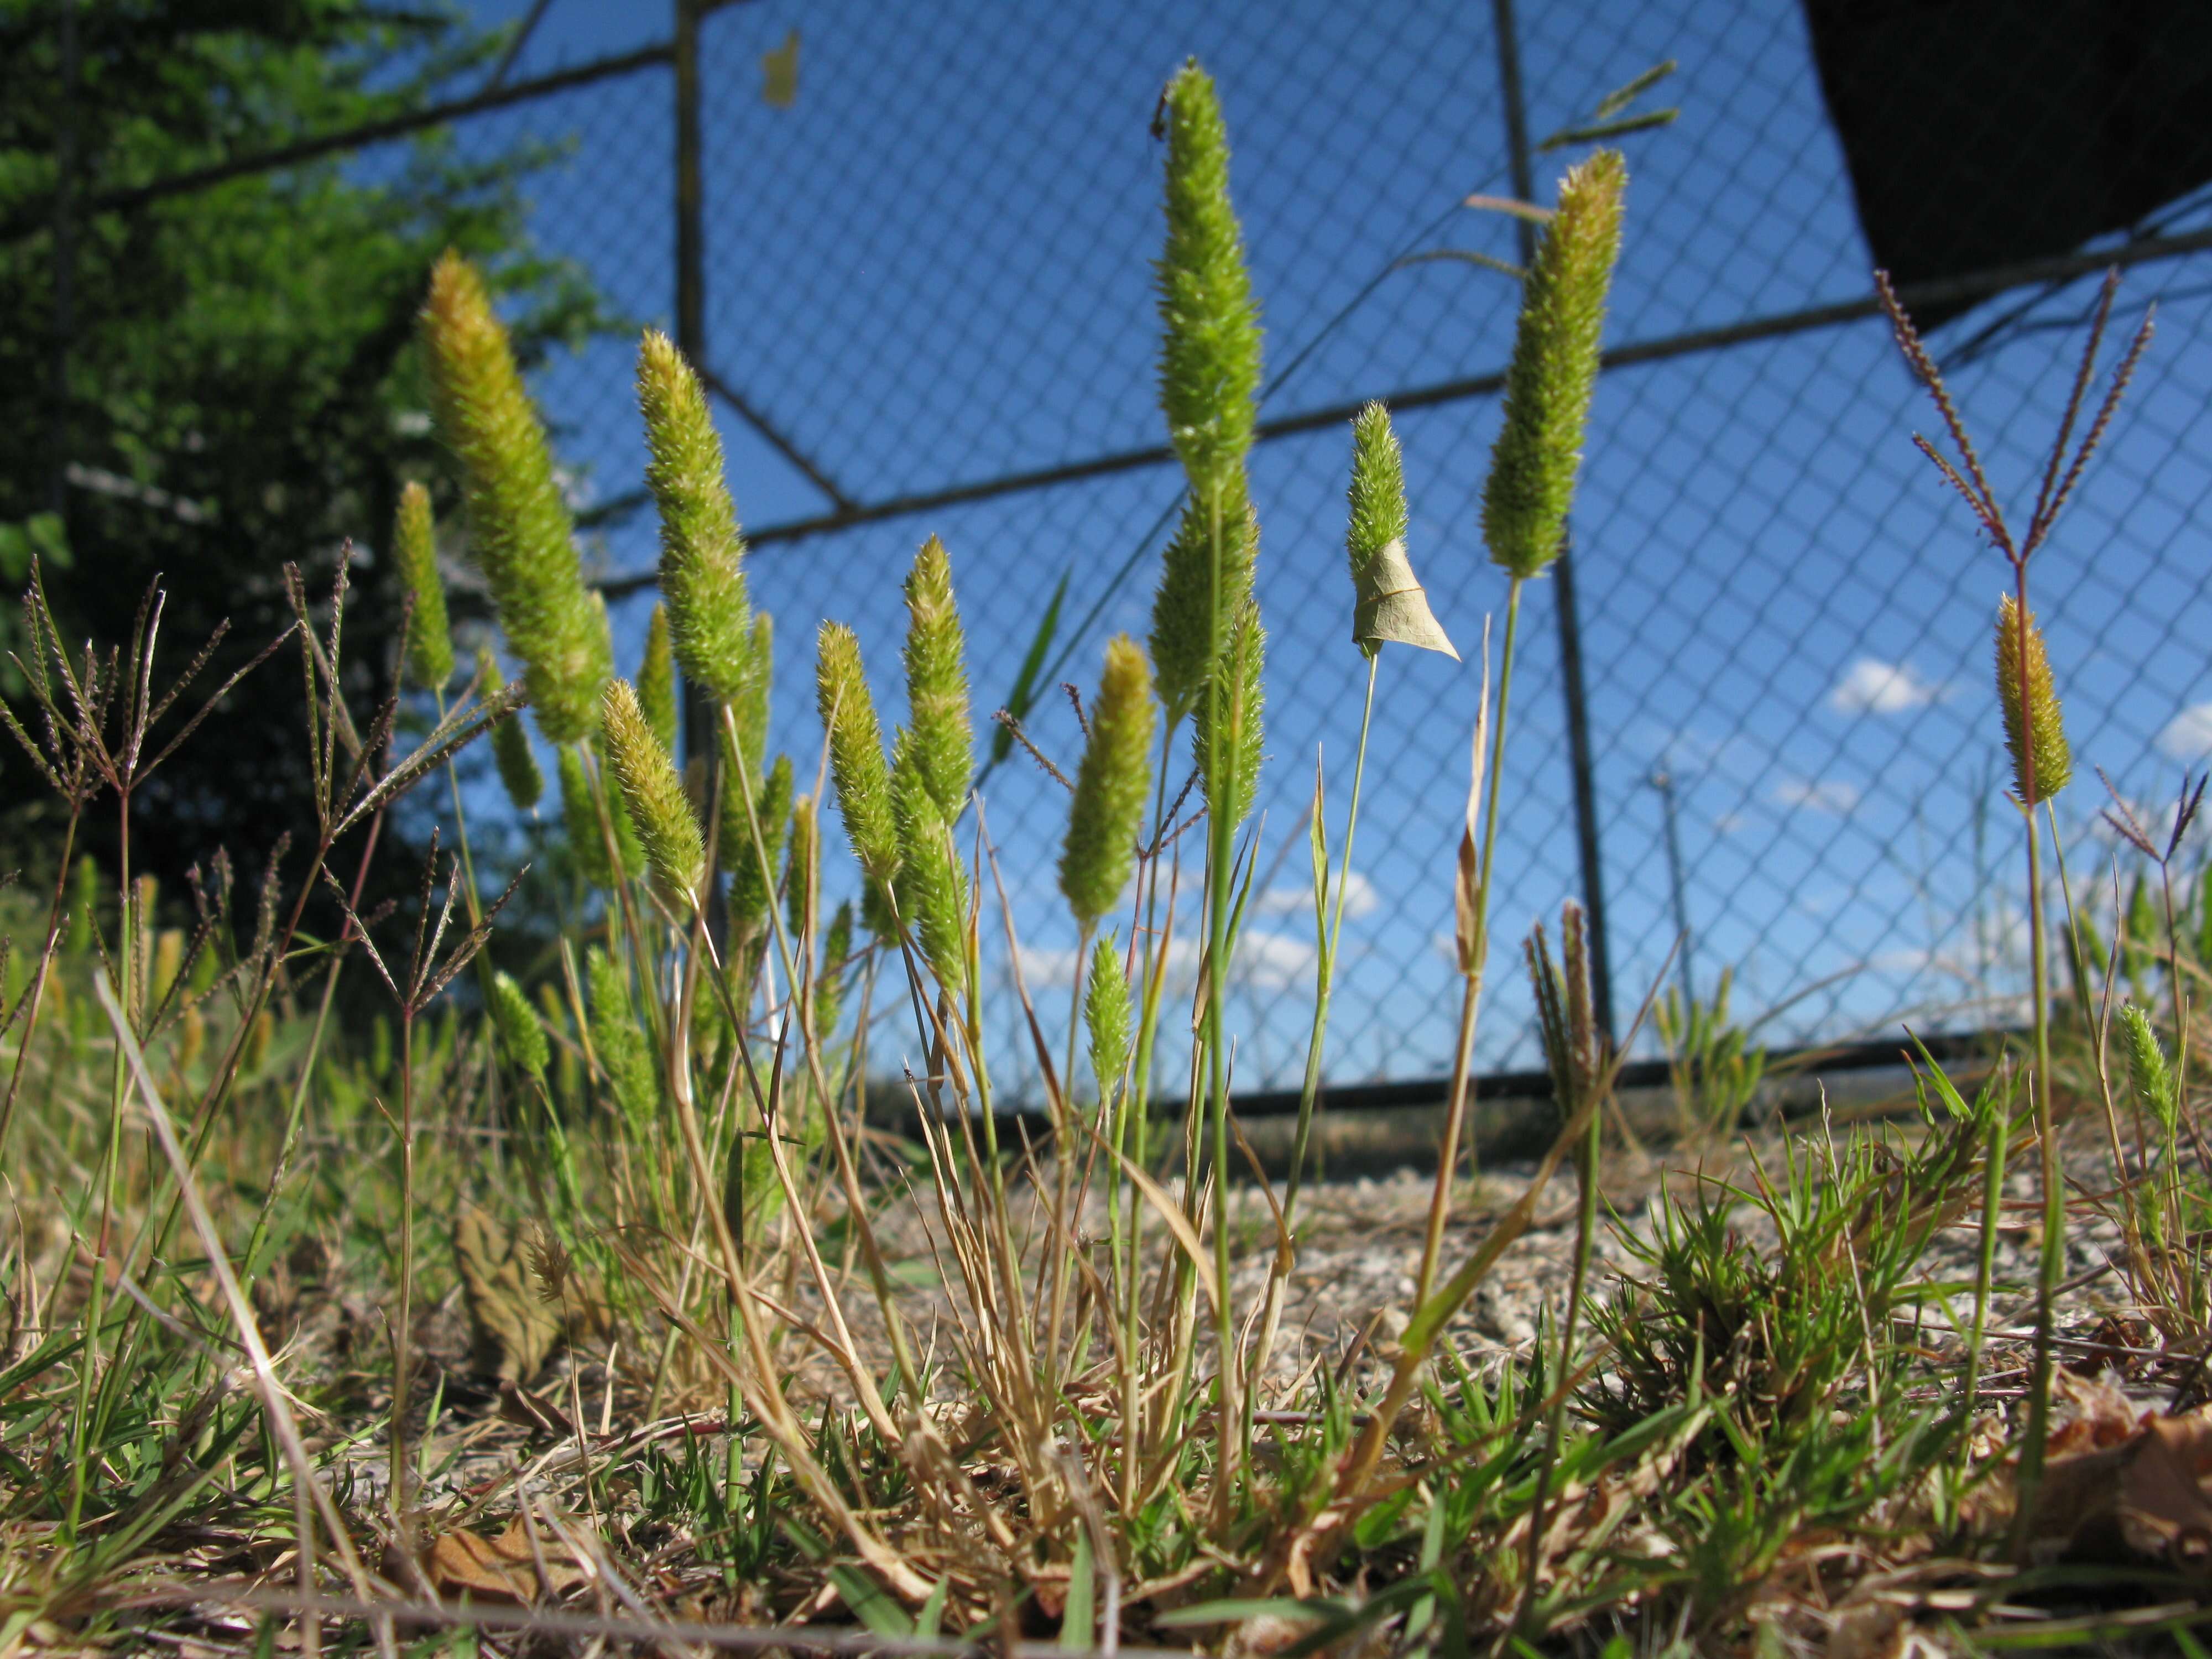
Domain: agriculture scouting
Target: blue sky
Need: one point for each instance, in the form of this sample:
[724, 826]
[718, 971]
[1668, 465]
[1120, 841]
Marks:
[934, 269]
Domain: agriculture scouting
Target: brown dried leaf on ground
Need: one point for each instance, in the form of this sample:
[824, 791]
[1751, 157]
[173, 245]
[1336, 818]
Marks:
[501, 1569]
[2118, 1485]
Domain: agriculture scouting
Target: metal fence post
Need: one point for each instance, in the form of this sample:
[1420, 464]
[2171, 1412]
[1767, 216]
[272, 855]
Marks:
[1563, 571]
[699, 733]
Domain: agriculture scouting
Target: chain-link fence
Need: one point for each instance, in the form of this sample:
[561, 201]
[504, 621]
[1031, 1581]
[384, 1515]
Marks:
[1764, 727]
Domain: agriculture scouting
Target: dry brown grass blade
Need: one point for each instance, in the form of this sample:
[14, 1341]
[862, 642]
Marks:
[1161, 1199]
[274, 1403]
[736, 1638]
[763, 1396]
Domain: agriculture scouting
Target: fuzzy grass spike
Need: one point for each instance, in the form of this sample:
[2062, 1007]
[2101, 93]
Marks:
[856, 753]
[656, 680]
[518, 525]
[1229, 791]
[1553, 370]
[702, 553]
[1389, 603]
[751, 890]
[415, 552]
[654, 796]
[2037, 744]
[517, 762]
[1110, 787]
[942, 740]
[1209, 370]
[579, 819]
[521, 1038]
[1106, 1016]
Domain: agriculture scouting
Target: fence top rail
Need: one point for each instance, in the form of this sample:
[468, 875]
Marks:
[1972, 285]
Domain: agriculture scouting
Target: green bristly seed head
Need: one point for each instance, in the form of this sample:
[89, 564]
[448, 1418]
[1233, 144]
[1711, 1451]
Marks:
[2150, 1079]
[1553, 369]
[1389, 603]
[856, 753]
[518, 525]
[829, 970]
[1110, 786]
[937, 681]
[1229, 793]
[748, 710]
[510, 741]
[702, 554]
[2042, 728]
[656, 680]
[654, 798]
[1209, 392]
[1185, 640]
[1209, 321]
[802, 865]
[932, 887]
[579, 821]
[1377, 495]
[752, 886]
[521, 1038]
[619, 1044]
[1106, 1018]
[415, 551]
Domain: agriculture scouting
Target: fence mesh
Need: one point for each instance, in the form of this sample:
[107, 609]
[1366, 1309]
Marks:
[928, 275]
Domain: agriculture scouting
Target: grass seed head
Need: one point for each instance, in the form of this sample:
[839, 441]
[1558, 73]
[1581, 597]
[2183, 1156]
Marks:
[654, 795]
[656, 680]
[752, 887]
[937, 681]
[1209, 371]
[1229, 792]
[511, 753]
[856, 753]
[1389, 603]
[829, 970]
[701, 552]
[1209, 318]
[748, 710]
[2149, 1078]
[802, 866]
[1186, 644]
[580, 819]
[1553, 370]
[1110, 786]
[2036, 740]
[518, 525]
[521, 1038]
[618, 1043]
[932, 887]
[415, 551]
[1106, 1016]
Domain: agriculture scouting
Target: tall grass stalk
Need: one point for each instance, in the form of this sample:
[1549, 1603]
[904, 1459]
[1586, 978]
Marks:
[2036, 739]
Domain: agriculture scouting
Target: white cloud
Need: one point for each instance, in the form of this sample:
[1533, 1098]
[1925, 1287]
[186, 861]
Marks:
[1871, 686]
[1815, 795]
[2188, 735]
[1360, 899]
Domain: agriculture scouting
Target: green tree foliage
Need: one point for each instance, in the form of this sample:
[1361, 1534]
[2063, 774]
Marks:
[239, 383]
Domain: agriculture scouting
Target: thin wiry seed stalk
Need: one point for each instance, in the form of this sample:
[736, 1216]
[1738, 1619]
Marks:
[1310, 1089]
[1471, 998]
[848, 1170]
[1223, 760]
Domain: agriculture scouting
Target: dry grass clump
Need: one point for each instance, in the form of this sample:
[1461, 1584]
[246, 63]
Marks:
[597, 1312]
